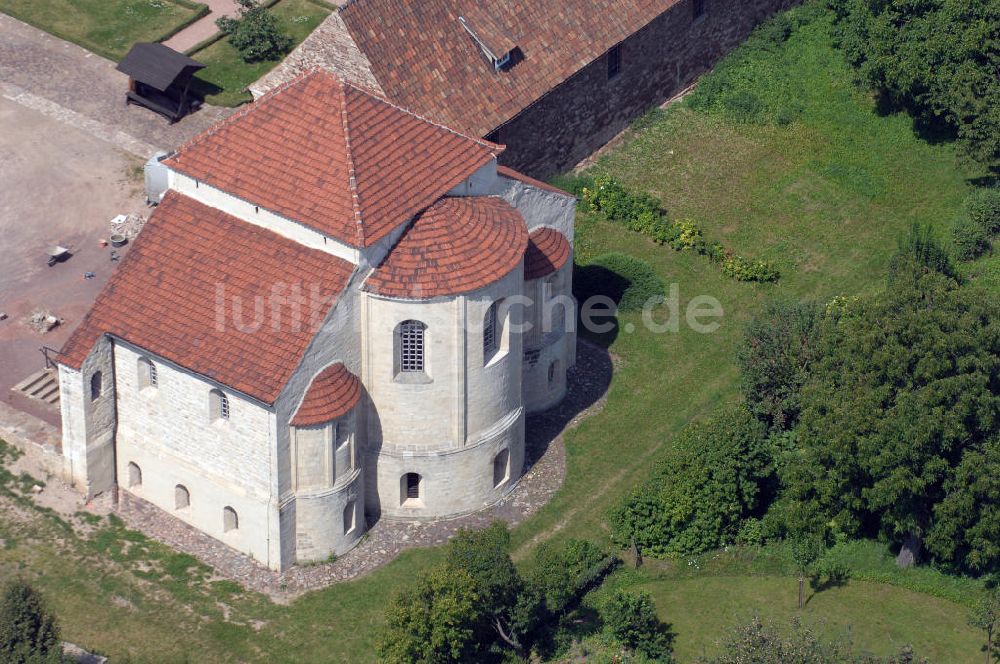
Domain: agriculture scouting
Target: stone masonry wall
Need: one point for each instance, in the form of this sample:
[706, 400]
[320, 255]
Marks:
[586, 111]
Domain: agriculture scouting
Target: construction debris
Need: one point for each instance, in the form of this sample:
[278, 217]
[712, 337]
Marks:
[127, 225]
[43, 320]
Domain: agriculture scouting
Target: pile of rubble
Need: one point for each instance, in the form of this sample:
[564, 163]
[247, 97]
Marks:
[127, 225]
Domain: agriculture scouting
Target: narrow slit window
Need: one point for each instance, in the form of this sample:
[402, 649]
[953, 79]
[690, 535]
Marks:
[490, 332]
[614, 61]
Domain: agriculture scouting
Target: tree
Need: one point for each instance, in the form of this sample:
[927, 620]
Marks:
[631, 619]
[435, 622]
[986, 616]
[715, 476]
[255, 33]
[484, 556]
[806, 550]
[28, 632]
[937, 58]
[906, 384]
[774, 358]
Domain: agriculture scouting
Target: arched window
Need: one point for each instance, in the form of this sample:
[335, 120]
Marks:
[182, 497]
[147, 373]
[230, 520]
[501, 467]
[134, 475]
[349, 517]
[490, 336]
[409, 347]
[409, 488]
[218, 404]
[96, 383]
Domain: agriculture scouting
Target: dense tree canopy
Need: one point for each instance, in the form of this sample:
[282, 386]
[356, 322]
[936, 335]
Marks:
[907, 385]
[939, 58]
[28, 632]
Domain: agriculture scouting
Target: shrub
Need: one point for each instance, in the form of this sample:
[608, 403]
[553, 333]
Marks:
[627, 280]
[631, 619]
[751, 532]
[255, 33]
[774, 357]
[618, 203]
[920, 245]
[983, 207]
[969, 238]
[744, 269]
[689, 236]
[28, 632]
[701, 493]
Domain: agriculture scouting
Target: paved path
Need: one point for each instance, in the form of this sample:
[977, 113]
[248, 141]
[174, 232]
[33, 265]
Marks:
[204, 27]
[83, 90]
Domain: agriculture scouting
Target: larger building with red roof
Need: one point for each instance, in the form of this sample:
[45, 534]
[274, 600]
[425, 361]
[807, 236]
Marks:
[552, 79]
[339, 311]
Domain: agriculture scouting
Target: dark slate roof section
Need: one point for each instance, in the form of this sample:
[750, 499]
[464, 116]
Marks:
[157, 65]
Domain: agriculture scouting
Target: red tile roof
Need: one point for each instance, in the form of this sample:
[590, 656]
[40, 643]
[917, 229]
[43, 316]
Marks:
[456, 246]
[508, 172]
[333, 392]
[333, 157]
[424, 59]
[548, 250]
[163, 298]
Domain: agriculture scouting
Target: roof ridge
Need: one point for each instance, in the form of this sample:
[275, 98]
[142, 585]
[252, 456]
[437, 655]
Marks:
[352, 180]
[385, 100]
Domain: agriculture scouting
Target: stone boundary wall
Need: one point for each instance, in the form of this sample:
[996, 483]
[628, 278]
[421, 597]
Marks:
[39, 440]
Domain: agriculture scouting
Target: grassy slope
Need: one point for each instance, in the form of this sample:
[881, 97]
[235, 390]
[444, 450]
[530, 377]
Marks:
[824, 197]
[227, 71]
[107, 27]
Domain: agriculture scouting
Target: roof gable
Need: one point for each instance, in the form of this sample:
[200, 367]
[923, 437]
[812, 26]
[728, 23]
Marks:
[333, 157]
[424, 59]
[164, 298]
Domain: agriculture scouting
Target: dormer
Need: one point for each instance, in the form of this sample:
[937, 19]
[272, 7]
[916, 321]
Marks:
[492, 39]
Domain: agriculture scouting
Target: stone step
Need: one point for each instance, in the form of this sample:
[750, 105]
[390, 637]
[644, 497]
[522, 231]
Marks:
[42, 386]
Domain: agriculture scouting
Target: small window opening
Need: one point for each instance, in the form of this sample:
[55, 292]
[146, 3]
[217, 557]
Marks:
[410, 487]
[219, 405]
[501, 467]
[411, 346]
[134, 475]
[349, 518]
[697, 9]
[614, 61]
[96, 384]
[230, 520]
[182, 497]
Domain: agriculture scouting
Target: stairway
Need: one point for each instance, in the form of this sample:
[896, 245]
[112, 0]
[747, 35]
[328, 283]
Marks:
[42, 386]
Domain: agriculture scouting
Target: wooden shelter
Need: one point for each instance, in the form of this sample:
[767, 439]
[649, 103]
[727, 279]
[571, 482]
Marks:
[159, 78]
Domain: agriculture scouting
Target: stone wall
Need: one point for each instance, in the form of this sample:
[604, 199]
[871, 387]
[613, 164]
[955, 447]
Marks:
[569, 123]
[168, 433]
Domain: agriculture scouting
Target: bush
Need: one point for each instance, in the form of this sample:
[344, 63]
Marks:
[28, 632]
[255, 33]
[920, 245]
[627, 280]
[618, 203]
[719, 474]
[983, 207]
[744, 269]
[631, 619]
[970, 239]
[774, 357]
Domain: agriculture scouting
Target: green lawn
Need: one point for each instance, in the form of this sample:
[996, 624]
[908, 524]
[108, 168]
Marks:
[825, 197]
[226, 77]
[106, 27]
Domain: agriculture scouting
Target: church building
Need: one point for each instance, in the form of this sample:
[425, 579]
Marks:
[339, 311]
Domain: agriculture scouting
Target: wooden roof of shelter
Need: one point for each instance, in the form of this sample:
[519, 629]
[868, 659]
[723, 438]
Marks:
[157, 65]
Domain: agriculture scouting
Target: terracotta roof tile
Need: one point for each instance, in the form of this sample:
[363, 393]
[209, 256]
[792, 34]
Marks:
[548, 250]
[457, 245]
[333, 157]
[425, 60]
[163, 298]
[333, 392]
